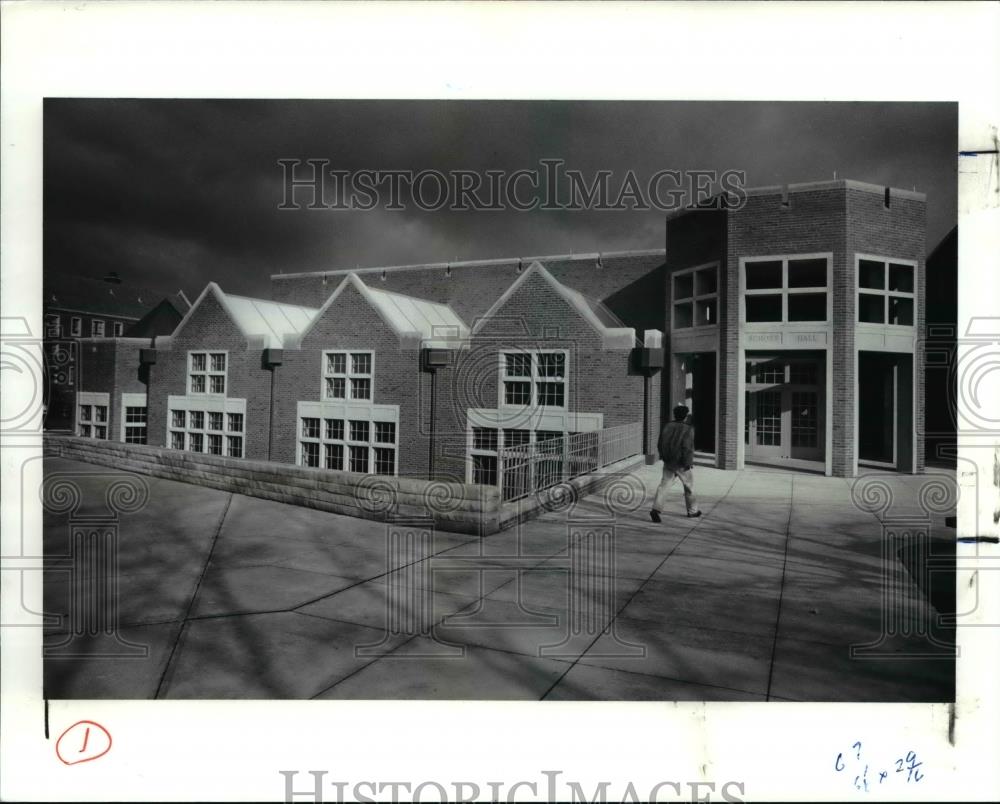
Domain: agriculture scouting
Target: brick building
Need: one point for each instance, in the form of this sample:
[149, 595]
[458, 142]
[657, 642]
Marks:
[790, 326]
[794, 323]
[82, 312]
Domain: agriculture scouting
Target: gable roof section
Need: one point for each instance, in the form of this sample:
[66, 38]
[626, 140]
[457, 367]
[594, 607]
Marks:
[265, 323]
[605, 323]
[417, 322]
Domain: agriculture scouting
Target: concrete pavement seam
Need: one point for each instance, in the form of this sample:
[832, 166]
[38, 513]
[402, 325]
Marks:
[781, 591]
[191, 601]
[698, 523]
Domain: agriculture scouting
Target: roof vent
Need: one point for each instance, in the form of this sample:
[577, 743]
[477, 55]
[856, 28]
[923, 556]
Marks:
[113, 278]
[447, 270]
[520, 265]
[383, 276]
[888, 196]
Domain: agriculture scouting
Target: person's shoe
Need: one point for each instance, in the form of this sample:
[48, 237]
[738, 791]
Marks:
[655, 516]
[694, 515]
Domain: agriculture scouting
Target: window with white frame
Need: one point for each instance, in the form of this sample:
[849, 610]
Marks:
[53, 325]
[886, 292]
[117, 328]
[135, 424]
[97, 328]
[211, 432]
[695, 297]
[92, 421]
[351, 445]
[207, 372]
[347, 375]
[486, 443]
[786, 289]
[76, 326]
[533, 378]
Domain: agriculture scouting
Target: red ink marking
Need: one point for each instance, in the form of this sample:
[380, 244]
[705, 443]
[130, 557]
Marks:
[102, 742]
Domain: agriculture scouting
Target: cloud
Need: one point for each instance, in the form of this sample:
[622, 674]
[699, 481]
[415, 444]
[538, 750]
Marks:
[187, 191]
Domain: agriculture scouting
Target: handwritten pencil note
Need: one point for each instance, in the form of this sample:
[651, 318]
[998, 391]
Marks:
[868, 773]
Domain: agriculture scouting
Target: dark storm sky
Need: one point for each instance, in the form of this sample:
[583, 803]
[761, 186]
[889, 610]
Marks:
[172, 194]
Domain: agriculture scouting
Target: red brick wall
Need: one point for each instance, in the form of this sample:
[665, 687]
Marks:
[813, 221]
[895, 231]
[351, 323]
[536, 316]
[697, 238]
[211, 328]
[111, 366]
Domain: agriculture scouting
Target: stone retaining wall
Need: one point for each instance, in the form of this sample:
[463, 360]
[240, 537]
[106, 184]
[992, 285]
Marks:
[456, 507]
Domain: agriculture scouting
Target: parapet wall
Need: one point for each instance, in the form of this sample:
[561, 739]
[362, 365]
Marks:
[456, 507]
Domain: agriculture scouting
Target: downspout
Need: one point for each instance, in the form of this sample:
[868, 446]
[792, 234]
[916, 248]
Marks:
[271, 358]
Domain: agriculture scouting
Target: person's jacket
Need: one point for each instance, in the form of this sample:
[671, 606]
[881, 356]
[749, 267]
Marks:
[676, 445]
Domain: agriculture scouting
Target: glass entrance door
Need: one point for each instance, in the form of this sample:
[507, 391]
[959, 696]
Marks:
[784, 408]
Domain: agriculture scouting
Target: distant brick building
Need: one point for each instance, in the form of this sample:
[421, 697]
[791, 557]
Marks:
[790, 326]
[82, 313]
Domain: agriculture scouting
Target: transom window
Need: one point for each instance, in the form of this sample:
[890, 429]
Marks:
[135, 424]
[207, 372]
[533, 378]
[886, 292]
[347, 375]
[352, 445]
[210, 432]
[92, 421]
[695, 297]
[786, 289]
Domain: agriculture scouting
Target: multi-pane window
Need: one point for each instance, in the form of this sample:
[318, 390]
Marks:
[696, 297]
[354, 445]
[805, 418]
[533, 378]
[347, 375]
[53, 327]
[76, 326]
[92, 421]
[359, 459]
[135, 424]
[211, 432]
[117, 328]
[786, 289]
[487, 442]
[97, 328]
[885, 292]
[484, 455]
[207, 372]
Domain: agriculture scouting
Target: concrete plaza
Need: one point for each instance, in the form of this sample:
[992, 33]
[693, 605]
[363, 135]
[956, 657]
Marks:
[759, 599]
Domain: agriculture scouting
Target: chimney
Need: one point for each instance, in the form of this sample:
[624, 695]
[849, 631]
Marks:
[113, 278]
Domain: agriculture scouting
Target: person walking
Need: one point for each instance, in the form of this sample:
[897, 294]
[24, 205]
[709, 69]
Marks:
[676, 448]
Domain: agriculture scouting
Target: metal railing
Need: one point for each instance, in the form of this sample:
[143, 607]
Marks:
[527, 468]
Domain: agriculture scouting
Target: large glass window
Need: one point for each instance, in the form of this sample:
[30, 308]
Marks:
[886, 292]
[533, 378]
[211, 432]
[347, 375]
[357, 445]
[786, 289]
[695, 297]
